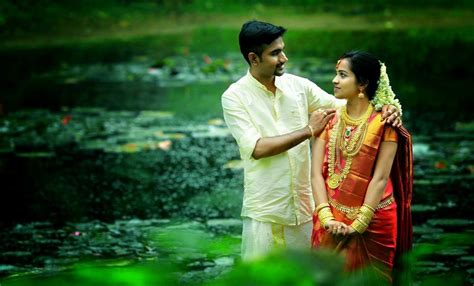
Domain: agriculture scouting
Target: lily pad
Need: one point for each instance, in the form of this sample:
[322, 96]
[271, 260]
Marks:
[464, 126]
[423, 208]
[6, 267]
[89, 110]
[451, 222]
[134, 147]
[432, 270]
[454, 251]
[162, 135]
[17, 253]
[6, 150]
[224, 222]
[212, 131]
[36, 155]
[156, 114]
[224, 261]
[450, 136]
[216, 121]
[469, 258]
[234, 164]
[424, 229]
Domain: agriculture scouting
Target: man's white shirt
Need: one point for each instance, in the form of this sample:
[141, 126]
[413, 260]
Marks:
[277, 189]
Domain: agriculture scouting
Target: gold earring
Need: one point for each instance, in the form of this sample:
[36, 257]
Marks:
[361, 95]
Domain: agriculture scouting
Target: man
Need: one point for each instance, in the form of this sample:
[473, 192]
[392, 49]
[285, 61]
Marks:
[267, 113]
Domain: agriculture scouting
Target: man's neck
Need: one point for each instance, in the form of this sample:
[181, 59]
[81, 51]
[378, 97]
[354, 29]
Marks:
[268, 82]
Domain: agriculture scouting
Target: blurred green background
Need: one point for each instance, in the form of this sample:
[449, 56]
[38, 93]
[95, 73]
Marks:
[111, 131]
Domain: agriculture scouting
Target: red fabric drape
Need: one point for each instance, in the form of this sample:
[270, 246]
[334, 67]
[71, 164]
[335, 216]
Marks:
[402, 179]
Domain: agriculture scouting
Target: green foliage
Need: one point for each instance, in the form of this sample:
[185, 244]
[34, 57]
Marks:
[406, 52]
[298, 268]
[93, 274]
[280, 268]
[424, 258]
[423, 49]
[189, 241]
[45, 16]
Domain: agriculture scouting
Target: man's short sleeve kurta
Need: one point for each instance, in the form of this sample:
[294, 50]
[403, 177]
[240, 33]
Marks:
[276, 189]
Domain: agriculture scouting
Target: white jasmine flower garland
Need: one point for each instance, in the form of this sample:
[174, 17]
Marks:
[384, 94]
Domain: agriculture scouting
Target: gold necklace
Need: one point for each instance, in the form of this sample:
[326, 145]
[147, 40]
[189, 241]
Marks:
[349, 149]
[359, 120]
[352, 145]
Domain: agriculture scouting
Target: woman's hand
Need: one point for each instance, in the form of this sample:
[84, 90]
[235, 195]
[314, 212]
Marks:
[337, 228]
[350, 230]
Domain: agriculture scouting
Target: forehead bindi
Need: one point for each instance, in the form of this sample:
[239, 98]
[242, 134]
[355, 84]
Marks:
[343, 65]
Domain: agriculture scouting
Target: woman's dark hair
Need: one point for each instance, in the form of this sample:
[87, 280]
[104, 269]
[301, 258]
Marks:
[255, 35]
[366, 68]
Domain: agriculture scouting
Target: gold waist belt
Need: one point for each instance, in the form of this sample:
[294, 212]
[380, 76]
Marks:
[351, 212]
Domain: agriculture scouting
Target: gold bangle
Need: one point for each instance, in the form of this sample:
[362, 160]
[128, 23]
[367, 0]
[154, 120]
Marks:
[367, 212]
[321, 206]
[311, 130]
[363, 220]
[358, 226]
[325, 215]
[369, 207]
[324, 222]
[361, 223]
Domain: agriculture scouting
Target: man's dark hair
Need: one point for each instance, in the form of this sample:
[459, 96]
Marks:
[366, 68]
[255, 35]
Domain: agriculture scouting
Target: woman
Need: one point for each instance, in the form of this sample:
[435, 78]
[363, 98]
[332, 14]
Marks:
[362, 172]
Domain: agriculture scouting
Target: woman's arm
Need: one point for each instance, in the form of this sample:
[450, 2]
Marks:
[319, 190]
[383, 166]
[376, 187]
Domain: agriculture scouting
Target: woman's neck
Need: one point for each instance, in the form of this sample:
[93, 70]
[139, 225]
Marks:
[356, 107]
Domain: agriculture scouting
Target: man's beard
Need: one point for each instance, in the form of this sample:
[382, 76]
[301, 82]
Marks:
[279, 71]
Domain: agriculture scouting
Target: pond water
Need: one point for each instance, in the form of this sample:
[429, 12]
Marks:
[140, 156]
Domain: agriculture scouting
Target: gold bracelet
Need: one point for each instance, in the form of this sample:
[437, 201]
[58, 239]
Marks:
[361, 223]
[325, 215]
[312, 131]
[320, 206]
[358, 226]
[367, 212]
[324, 222]
[369, 207]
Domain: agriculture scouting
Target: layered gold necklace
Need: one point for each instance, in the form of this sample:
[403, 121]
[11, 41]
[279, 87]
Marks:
[347, 137]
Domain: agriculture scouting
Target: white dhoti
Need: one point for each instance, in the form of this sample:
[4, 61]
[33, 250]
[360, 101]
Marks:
[260, 238]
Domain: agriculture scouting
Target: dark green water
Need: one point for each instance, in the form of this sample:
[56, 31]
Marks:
[87, 143]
